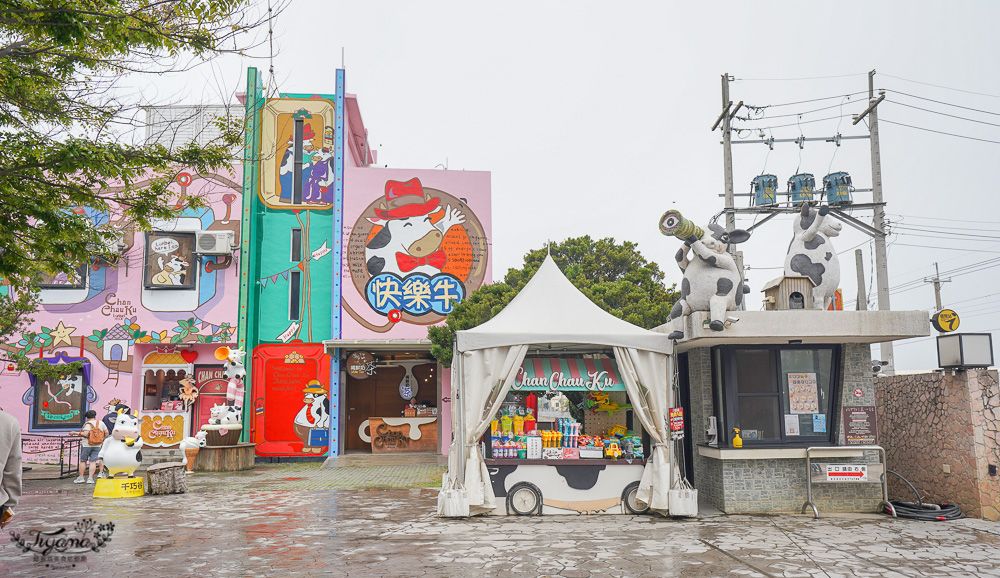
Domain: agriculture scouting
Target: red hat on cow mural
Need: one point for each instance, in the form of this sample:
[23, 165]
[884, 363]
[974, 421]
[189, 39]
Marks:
[404, 200]
[307, 134]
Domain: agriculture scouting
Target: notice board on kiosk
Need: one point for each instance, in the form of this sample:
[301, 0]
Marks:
[285, 376]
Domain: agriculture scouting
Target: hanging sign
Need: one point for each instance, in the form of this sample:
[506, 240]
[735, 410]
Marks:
[945, 321]
[676, 418]
[557, 373]
[846, 473]
[361, 365]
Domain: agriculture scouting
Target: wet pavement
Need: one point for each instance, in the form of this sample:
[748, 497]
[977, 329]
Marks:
[303, 520]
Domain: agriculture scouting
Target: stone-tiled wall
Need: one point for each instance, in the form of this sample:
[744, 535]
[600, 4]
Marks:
[936, 420]
[778, 485]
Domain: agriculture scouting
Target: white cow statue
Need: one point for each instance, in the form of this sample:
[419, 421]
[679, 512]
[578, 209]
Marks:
[811, 253]
[120, 451]
[712, 282]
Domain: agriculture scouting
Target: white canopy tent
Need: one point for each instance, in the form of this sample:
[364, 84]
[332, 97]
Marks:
[549, 310]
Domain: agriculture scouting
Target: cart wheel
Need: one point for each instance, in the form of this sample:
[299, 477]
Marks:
[524, 499]
[630, 501]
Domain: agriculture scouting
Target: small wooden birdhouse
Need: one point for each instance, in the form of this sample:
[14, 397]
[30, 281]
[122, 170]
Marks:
[786, 293]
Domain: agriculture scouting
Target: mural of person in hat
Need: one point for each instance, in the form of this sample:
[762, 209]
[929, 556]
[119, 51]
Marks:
[286, 172]
[312, 423]
[410, 240]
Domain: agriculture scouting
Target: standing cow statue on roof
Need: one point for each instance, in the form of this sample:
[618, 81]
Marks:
[712, 281]
[811, 253]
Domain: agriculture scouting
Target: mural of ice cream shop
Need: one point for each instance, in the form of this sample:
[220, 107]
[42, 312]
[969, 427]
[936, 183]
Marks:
[137, 319]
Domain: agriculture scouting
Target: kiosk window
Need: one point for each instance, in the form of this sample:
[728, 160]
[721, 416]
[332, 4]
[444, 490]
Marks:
[776, 394]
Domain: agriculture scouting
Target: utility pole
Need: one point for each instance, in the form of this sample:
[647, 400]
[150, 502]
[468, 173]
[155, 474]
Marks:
[727, 163]
[881, 265]
[727, 154]
[937, 281]
[862, 292]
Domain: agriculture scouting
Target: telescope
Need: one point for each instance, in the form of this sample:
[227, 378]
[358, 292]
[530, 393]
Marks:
[672, 223]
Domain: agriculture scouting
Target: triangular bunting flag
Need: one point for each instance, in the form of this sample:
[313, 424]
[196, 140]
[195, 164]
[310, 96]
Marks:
[302, 265]
[263, 282]
[284, 274]
[274, 278]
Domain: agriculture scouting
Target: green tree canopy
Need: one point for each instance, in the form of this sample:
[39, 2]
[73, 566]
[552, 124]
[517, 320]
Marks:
[614, 276]
[64, 126]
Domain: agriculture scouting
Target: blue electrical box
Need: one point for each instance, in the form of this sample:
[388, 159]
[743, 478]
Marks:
[764, 189]
[838, 188]
[801, 187]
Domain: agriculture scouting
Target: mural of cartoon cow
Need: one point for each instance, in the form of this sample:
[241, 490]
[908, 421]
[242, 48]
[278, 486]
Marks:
[409, 242]
[120, 451]
[811, 253]
[312, 423]
[712, 282]
[171, 272]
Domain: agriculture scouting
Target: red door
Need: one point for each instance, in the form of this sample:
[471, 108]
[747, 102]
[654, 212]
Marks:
[281, 373]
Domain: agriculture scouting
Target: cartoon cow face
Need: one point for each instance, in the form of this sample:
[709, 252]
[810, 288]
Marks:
[126, 426]
[71, 383]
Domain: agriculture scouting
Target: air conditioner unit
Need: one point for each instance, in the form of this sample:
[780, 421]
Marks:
[213, 242]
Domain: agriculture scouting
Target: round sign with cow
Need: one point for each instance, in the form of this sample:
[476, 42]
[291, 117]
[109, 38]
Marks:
[414, 253]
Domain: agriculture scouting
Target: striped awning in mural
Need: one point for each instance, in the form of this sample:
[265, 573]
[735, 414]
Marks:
[552, 373]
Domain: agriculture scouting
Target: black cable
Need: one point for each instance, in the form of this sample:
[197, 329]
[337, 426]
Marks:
[919, 510]
[939, 132]
[942, 113]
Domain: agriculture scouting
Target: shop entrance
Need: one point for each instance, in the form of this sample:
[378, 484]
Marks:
[380, 395]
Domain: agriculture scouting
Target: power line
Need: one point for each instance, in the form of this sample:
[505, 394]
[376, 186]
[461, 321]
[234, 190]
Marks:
[993, 222]
[768, 127]
[810, 100]
[803, 78]
[944, 229]
[945, 103]
[944, 248]
[940, 132]
[948, 233]
[748, 119]
[942, 113]
[940, 86]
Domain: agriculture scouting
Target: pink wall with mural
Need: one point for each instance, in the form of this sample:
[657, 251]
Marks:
[163, 294]
[412, 228]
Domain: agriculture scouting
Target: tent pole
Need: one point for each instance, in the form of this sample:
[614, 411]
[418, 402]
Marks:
[461, 416]
[670, 404]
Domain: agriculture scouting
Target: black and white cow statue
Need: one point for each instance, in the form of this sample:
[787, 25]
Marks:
[410, 240]
[120, 452]
[811, 253]
[235, 374]
[712, 282]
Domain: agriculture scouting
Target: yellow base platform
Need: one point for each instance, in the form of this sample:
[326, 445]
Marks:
[119, 488]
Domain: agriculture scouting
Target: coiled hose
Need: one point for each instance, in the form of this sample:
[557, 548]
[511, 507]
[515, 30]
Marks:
[920, 511]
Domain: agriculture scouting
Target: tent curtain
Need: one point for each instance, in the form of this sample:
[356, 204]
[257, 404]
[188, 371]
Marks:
[486, 375]
[645, 376]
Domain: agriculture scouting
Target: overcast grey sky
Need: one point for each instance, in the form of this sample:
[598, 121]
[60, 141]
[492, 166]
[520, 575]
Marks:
[594, 118]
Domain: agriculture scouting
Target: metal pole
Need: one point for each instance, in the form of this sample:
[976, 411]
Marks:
[881, 265]
[937, 287]
[862, 292]
[727, 157]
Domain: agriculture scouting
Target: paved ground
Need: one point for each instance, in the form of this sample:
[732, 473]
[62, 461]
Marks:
[299, 519]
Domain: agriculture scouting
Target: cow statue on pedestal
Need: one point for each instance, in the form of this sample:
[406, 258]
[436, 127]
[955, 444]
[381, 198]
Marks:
[235, 373]
[712, 282]
[120, 451]
[811, 253]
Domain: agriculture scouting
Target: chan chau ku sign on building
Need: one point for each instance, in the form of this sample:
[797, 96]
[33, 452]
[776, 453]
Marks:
[569, 374]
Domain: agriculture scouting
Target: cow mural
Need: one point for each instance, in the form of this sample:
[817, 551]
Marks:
[712, 281]
[410, 241]
[312, 422]
[811, 253]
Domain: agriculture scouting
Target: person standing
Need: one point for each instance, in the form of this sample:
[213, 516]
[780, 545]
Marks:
[93, 434]
[10, 466]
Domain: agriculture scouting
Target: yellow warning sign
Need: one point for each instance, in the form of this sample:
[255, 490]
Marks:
[945, 321]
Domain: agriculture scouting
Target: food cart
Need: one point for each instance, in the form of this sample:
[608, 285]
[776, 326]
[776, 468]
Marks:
[549, 340]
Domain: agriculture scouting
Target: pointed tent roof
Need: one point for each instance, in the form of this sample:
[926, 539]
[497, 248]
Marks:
[550, 309]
